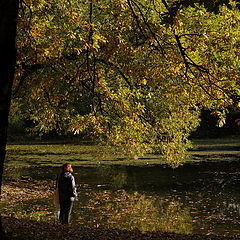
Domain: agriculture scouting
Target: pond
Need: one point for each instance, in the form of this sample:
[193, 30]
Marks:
[198, 197]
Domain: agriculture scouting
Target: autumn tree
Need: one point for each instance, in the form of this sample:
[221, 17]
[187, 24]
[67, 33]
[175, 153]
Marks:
[134, 74]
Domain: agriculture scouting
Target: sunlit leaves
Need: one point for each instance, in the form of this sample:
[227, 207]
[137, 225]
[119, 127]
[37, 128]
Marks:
[116, 71]
[213, 46]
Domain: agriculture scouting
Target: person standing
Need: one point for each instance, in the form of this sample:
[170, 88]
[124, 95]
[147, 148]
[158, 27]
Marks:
[67, 192]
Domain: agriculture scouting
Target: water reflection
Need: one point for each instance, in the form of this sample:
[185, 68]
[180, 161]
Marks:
[200, 198]
[137, 211]
[114, 177]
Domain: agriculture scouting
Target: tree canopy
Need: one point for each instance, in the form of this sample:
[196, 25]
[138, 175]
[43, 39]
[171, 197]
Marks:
[133, 74]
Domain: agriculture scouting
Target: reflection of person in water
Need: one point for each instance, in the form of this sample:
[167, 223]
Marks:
[67, 192]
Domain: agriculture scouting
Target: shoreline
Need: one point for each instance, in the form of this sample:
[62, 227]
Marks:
[16, 229]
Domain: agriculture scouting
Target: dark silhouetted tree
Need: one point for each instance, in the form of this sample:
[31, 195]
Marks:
[8, 16]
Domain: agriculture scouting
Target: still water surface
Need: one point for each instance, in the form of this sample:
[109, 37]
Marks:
[194, 198]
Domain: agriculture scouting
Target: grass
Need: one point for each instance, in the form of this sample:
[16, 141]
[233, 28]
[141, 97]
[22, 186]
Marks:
[55, 153]
[47, 154]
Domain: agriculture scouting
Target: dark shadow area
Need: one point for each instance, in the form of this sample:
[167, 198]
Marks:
[208, 127]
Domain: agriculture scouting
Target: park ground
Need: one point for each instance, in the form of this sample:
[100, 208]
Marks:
[20, 229]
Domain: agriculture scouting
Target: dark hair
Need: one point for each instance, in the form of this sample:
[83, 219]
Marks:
[67, 167]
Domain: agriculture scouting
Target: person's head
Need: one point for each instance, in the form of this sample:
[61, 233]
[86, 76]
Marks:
[67, 167]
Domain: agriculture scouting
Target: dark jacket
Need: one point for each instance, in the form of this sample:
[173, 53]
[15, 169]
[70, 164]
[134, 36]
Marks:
[66, 186]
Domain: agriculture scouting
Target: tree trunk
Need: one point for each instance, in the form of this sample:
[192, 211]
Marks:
[8, 16]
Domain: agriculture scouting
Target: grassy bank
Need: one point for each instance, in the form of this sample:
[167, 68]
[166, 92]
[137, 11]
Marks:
[54, 153]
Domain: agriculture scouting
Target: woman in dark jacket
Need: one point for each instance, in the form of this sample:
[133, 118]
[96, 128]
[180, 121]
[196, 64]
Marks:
[67, 192]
